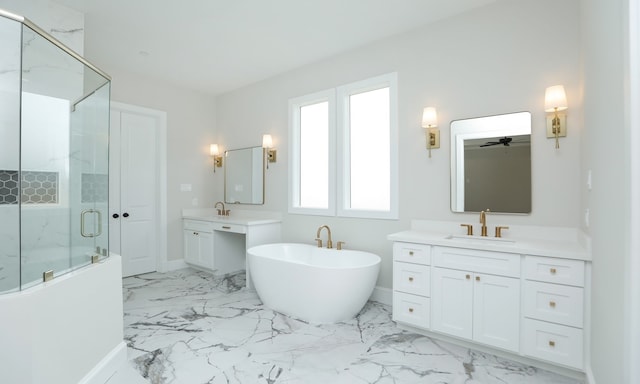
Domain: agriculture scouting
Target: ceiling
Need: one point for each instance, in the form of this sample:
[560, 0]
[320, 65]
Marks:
[215, 46]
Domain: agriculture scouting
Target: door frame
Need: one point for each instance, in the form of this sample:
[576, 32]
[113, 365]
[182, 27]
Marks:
[161, 186]
[632, 98]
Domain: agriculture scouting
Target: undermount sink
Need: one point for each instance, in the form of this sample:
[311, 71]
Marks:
[480, 240]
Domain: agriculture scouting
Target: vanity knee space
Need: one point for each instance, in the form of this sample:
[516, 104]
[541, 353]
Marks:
[532, 306]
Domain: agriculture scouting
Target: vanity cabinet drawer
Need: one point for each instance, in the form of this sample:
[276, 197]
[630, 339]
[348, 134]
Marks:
[558, 344]
[552, 270]
[411, 278]
[229, 228]
[494, 263]
[198, 226]
[412, 253]
[411, 309]
[560, 304]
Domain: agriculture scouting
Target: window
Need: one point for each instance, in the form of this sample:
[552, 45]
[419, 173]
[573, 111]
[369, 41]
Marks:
[344, 150]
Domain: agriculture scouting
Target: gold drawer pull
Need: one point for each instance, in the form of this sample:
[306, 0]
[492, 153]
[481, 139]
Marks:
[552, 343]
[411, 310]
[553, 271]
[552, 304]
[467, 277]
[226, 227]
[410, 253]
[411, 279]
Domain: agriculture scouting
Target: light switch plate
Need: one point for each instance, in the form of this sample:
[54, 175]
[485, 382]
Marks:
[185, 187]
[563, 126]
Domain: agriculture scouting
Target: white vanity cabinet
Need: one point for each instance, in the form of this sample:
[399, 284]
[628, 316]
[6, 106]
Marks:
[476, 296]
[219, 244]
[198, 243]
[524, 298]
[553, 309]
[412, 284]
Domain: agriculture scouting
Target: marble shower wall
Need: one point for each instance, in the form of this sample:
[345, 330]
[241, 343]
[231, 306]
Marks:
[43, 225]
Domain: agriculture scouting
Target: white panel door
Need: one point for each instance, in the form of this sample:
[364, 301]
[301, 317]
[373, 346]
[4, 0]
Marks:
[496, 311]
[452, 302]
[134, 206]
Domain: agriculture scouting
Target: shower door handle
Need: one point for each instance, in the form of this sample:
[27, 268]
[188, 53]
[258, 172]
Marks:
[83, 214]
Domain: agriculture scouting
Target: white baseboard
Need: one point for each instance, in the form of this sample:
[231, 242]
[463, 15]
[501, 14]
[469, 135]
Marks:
[173, 265]
[107, 366]
[589, 374]
[382, 295]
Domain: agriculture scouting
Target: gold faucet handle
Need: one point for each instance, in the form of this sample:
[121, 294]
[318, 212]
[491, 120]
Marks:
[469, 229]
[319, 243]
[499, 230]
[340, 244]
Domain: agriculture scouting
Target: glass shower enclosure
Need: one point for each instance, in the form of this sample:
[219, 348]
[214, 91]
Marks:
[54, 137]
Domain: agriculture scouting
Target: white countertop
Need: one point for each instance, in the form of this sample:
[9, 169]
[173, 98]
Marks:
[567, 243]
[241, 217]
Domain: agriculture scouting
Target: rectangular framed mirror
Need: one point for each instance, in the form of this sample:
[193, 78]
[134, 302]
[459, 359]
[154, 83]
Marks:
[244, 176]
[491, 164]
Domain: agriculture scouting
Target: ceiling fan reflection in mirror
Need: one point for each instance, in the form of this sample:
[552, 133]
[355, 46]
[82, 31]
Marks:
[504, 141]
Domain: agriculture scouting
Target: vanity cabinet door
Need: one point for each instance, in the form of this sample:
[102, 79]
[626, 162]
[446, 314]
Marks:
[452, 302]
[496, 311]
[198, 248]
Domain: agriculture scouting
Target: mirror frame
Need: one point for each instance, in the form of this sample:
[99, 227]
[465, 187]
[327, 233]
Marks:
[226, 175]
[477, 128]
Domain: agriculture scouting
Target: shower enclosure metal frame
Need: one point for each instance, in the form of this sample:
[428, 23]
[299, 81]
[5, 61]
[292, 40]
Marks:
[54, 121]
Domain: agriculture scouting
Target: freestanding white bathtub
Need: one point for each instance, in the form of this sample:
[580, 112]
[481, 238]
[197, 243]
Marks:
[317, 285]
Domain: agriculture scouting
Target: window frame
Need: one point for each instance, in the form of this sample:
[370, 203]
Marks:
[294, 148]
[339, 177]
[344, 146]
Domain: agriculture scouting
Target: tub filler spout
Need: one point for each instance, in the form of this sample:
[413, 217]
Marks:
[319, 240]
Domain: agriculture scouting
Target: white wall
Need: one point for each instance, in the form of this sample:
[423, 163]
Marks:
[57, 332]
[190, 130]
[603, 34]
[492, 60]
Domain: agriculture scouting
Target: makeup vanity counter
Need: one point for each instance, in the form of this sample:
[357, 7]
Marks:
[524, 295]
[219, 243]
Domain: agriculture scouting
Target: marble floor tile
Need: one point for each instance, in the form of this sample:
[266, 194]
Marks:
[188, 327]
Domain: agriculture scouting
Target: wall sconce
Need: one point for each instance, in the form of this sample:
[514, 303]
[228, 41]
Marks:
[555, 100]
[267, 144]
[430, 122]
[214, 151]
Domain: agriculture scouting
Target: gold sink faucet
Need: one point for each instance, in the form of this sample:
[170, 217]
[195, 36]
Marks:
[221, 212]
[319, 240]
[483, 221]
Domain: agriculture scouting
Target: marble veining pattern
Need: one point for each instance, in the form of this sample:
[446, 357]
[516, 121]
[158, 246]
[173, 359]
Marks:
[189, 327]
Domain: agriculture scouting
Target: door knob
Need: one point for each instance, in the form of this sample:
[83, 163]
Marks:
[125, 214]
[115, 215]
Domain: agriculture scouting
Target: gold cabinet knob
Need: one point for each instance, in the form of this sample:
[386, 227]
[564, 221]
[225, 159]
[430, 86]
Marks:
[552, 304]
[467, 277]
[552, 343]
[410, 253]
[411, 279]
[553, 271]
[477, 278]
[410, 310]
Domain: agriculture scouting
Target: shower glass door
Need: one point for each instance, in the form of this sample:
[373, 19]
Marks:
[64, 160]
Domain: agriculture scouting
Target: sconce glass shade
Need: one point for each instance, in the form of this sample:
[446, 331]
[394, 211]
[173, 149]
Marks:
[429, 117]
[214, 150]
[555, 99]
[267, 141]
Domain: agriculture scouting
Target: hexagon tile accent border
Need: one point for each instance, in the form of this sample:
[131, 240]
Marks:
[37, 187]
